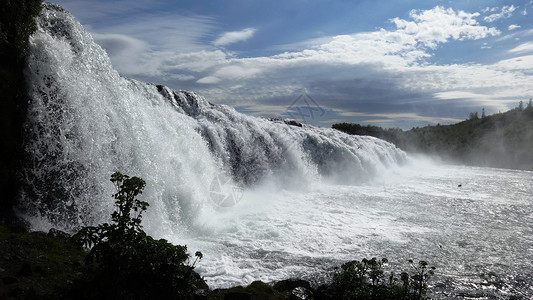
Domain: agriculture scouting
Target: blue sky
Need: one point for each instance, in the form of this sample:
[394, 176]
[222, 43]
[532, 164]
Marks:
[398, 63]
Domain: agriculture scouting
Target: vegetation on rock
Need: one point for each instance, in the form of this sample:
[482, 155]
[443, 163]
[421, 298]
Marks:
[126, 263]
[366, 279]
[34, 265]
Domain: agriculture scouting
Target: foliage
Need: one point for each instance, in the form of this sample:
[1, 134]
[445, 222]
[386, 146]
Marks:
[126, 263]
[17, 23]
[498, 140]
[256, 290]
[366, 279]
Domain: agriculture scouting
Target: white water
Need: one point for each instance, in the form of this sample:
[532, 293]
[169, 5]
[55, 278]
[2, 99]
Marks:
[294, 219]
[417, 211]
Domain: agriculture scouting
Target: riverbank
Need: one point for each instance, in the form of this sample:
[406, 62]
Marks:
[38, 265]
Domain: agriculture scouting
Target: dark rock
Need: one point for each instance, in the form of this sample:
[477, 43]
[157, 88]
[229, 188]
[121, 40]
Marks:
[201, 294]
[39, 269]
[58, 234]
[7, 280]
[288, 122]
[200, 282]
[322, 292]
[25, 270]
[288, 285]
[17, 224]
[293, 123]
[237, 296]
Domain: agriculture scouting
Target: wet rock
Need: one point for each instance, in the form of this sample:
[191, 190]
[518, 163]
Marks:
[322, 292]
[8, 280]
[25, 270]
[301, 293]
[18, 225]
[58, 234]
[293, 123]
[299, 289]
[286, 121]
[200, 282]
[288, 285]
[201, 294]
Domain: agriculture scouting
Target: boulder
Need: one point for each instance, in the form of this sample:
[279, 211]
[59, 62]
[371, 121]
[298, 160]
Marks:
[58, 234]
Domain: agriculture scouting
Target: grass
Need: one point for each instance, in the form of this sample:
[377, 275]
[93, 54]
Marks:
[36, 266]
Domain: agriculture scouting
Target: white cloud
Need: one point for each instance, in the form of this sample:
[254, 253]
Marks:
[489, 9]
[399, 117]
[181, 77]
[127, 54]
[231, 72]
[528, 32]
[209, 80]
[236, 72]
[234, 37]
[525, 47]
[459, 95]
[513, 27]
[165, 32]
[506, 12]
[522, 63]
[197, 61]
[437, 25]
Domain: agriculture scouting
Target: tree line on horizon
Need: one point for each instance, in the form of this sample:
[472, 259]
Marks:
[502, 140]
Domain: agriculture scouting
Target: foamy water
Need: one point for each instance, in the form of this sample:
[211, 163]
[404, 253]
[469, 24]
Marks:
[478, 235]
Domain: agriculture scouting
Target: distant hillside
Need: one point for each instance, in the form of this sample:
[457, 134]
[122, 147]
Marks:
[503, 140]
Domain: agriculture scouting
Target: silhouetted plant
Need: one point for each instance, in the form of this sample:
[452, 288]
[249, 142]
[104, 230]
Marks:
[126, 263]
[420, 278]
[365, 279]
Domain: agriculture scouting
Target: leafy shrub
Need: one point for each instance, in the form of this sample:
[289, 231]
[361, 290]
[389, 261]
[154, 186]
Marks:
[366, 279]
[126, 263]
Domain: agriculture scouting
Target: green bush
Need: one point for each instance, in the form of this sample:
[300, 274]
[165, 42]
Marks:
[126, 263]
[366, 279]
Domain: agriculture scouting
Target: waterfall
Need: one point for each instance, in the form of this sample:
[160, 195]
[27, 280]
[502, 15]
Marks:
[85, 122]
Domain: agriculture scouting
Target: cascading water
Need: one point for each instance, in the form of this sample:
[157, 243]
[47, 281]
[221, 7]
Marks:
[85, 121]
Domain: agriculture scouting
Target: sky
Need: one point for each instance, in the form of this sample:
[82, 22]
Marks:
[390, 63]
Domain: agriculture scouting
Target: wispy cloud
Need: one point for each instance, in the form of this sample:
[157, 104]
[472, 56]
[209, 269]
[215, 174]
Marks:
[393, 117]
[506, 12]
[521, 63]
[525, 47]
[234, 37]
